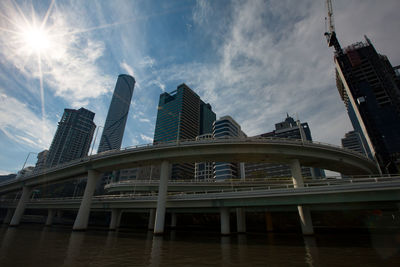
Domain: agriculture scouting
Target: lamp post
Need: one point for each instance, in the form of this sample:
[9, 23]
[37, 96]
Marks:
[23, 166]
[95, 136]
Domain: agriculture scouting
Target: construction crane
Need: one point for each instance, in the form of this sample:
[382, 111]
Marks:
[330, 33]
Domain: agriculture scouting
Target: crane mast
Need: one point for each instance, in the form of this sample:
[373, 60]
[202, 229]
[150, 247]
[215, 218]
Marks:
[330, 33]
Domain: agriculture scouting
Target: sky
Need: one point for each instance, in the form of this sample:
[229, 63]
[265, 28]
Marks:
[253, 60]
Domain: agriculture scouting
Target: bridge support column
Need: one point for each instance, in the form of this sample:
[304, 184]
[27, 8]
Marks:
[50, 216]
[296, 173]
[173, 220]
[19, 211]
[9, 215]
[241, 220]
[305, 220]
[225, 224]
[152, 218]
[162, 198]
[268, 222]
[115, 219]
[304, 212]
[82, 218]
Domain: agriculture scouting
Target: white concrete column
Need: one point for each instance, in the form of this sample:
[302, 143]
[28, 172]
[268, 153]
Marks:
[82, 218]
[50, 216]
[162, 198]
[305, 220]
[115, 218]
[9, 215]
[173, 220]
[304, 212]
[241, 220]
[296, 173]
[242, 171]
[225, 224]
[19, 211]
[152, 218]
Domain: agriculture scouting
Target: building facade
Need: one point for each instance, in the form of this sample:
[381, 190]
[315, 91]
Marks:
[227, 127]
[41, 160]
[204, 170]
[369, 87]
[73, 137]
[117, 115]
[352, 140]
[182, 115]
[289, 128]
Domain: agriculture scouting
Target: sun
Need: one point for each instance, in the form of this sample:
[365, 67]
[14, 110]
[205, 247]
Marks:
[36, 39]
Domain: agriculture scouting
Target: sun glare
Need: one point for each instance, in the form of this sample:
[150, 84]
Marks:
[36, 39]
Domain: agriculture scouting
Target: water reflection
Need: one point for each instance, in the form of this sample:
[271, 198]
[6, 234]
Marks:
[156, 251]
[312, 257]
[226, 250]
[74, 249]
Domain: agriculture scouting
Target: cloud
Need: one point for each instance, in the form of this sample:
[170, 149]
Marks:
[147, 62]
[22, 125]
[127, 68]
[146, 138]
[69, 67]
[144, 120]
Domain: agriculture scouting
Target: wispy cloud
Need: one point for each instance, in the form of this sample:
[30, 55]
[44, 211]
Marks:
[146, 138]
[22, 125]
[127, 68]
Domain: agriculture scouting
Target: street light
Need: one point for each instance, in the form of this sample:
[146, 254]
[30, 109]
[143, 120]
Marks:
[23, 166]
[95, 136]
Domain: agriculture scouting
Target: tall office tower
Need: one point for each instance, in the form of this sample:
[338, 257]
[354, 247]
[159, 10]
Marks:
[226, 127]
[203, 170]
[41, 160]
[288, 128]
[352, 140]
[369, 88]
[73, 137]
[117, 114]
[182, 115]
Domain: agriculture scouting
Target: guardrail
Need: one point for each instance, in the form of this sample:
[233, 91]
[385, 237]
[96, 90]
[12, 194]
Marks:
[187, 142]
[273, 188]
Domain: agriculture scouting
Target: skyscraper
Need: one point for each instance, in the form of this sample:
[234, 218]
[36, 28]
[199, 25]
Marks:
[73, 137]
[117, 115]
[227, 127]
[352, 140]
[182, 115]
[288, 128]
[369, 88]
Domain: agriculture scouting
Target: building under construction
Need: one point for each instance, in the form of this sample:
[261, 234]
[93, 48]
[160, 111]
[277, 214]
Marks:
[369, 87]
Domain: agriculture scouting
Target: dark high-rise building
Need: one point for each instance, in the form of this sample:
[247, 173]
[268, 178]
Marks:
[117, 115]
[369, 87]
[182, 115]
[352, 140]
[73, 137]
[288, 128]
[41, 160]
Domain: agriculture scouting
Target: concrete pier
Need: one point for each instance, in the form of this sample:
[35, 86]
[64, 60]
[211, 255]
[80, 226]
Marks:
[304, 212]
[152, 218]
[115, 219]
[225, 224]
[173, 220]
[241, 220]
[162, 198]
[50, 216]
[9, 215]
[82, 218]
[19, 211]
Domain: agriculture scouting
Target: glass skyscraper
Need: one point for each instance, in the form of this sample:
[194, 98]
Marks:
[73, 137]
[117, 115]
[182, 115]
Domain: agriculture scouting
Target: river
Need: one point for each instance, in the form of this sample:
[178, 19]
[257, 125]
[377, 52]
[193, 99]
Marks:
[35, 245]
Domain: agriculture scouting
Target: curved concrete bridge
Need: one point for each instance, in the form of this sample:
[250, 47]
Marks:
[295, 153]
